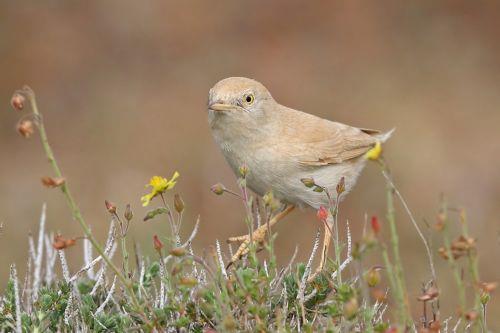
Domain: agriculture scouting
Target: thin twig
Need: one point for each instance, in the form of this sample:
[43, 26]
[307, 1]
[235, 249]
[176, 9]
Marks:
[413, 221]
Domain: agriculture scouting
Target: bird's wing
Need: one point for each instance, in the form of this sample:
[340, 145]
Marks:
[316, 141]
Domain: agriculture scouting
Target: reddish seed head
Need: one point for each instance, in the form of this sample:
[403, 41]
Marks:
[158, 245]
[25, 128]
[375, 225]
[53, 182]
[17, 101]
[61, 243]
[322, 213]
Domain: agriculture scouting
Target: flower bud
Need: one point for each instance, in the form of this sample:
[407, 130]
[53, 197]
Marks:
[341, 186]
[243, 170]
[484, 298]
[25, 128]
[111, 207]
[178, 203]
[322, 213]
[218, 189]
[375, 225]
[128, 214]
[308, 182]
[17, 101]
[178, 251]
[372, 277]
[318, 189]
[158, 245]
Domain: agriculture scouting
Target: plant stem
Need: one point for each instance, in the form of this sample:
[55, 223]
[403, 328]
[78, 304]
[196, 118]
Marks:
[389, 181]
[453, 263]
[69, 198]
[394, 285]
[123, 242]
[397, 267]
[474, 272]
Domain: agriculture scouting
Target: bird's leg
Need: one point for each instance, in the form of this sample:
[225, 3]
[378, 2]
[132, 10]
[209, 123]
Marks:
[258, 236]
[328, 224]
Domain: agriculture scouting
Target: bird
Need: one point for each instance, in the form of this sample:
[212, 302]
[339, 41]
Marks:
[281, 147]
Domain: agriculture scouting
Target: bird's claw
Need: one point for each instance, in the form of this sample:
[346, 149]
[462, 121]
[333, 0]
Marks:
[258, 237]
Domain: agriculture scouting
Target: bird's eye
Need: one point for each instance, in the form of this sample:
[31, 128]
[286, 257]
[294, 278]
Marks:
[248, 98]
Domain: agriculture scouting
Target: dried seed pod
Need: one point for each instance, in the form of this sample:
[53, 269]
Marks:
[26, 128]
[110, 207]
[53, 181]
[178, 203]
[429, 295]
[178, 251]
[128, 214]
[17, 101]
[61, 243]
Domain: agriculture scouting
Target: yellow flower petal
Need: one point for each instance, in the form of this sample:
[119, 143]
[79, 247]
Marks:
[172, 181]
[374, 153]
[146, 199]
[158, 186]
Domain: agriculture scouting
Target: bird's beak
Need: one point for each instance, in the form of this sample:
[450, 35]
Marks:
[220, 107]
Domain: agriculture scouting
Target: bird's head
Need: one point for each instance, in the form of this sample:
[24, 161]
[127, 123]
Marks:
[238, 99]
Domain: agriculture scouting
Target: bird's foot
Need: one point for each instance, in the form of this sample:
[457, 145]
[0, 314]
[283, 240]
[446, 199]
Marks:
[258, 237]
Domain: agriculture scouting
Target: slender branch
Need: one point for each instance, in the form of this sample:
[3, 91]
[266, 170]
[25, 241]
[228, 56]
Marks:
[413, 221]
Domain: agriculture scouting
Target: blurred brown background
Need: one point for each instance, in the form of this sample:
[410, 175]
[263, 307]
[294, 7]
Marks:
[123, 88]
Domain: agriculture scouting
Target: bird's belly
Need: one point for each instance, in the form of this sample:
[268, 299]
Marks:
[283, 177]
[287, 186]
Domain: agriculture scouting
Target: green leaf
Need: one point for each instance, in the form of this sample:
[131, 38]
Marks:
[153, 213]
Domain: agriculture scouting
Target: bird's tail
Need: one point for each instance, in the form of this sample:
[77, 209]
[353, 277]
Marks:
[383, 137]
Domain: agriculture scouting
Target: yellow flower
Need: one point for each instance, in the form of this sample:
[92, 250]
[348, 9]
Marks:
[374, 153]
[159, 185]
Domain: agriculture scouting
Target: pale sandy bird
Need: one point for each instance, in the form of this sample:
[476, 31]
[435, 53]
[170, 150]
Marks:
[280, 146]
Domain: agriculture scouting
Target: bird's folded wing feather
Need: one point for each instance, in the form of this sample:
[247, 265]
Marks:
[318, 141]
